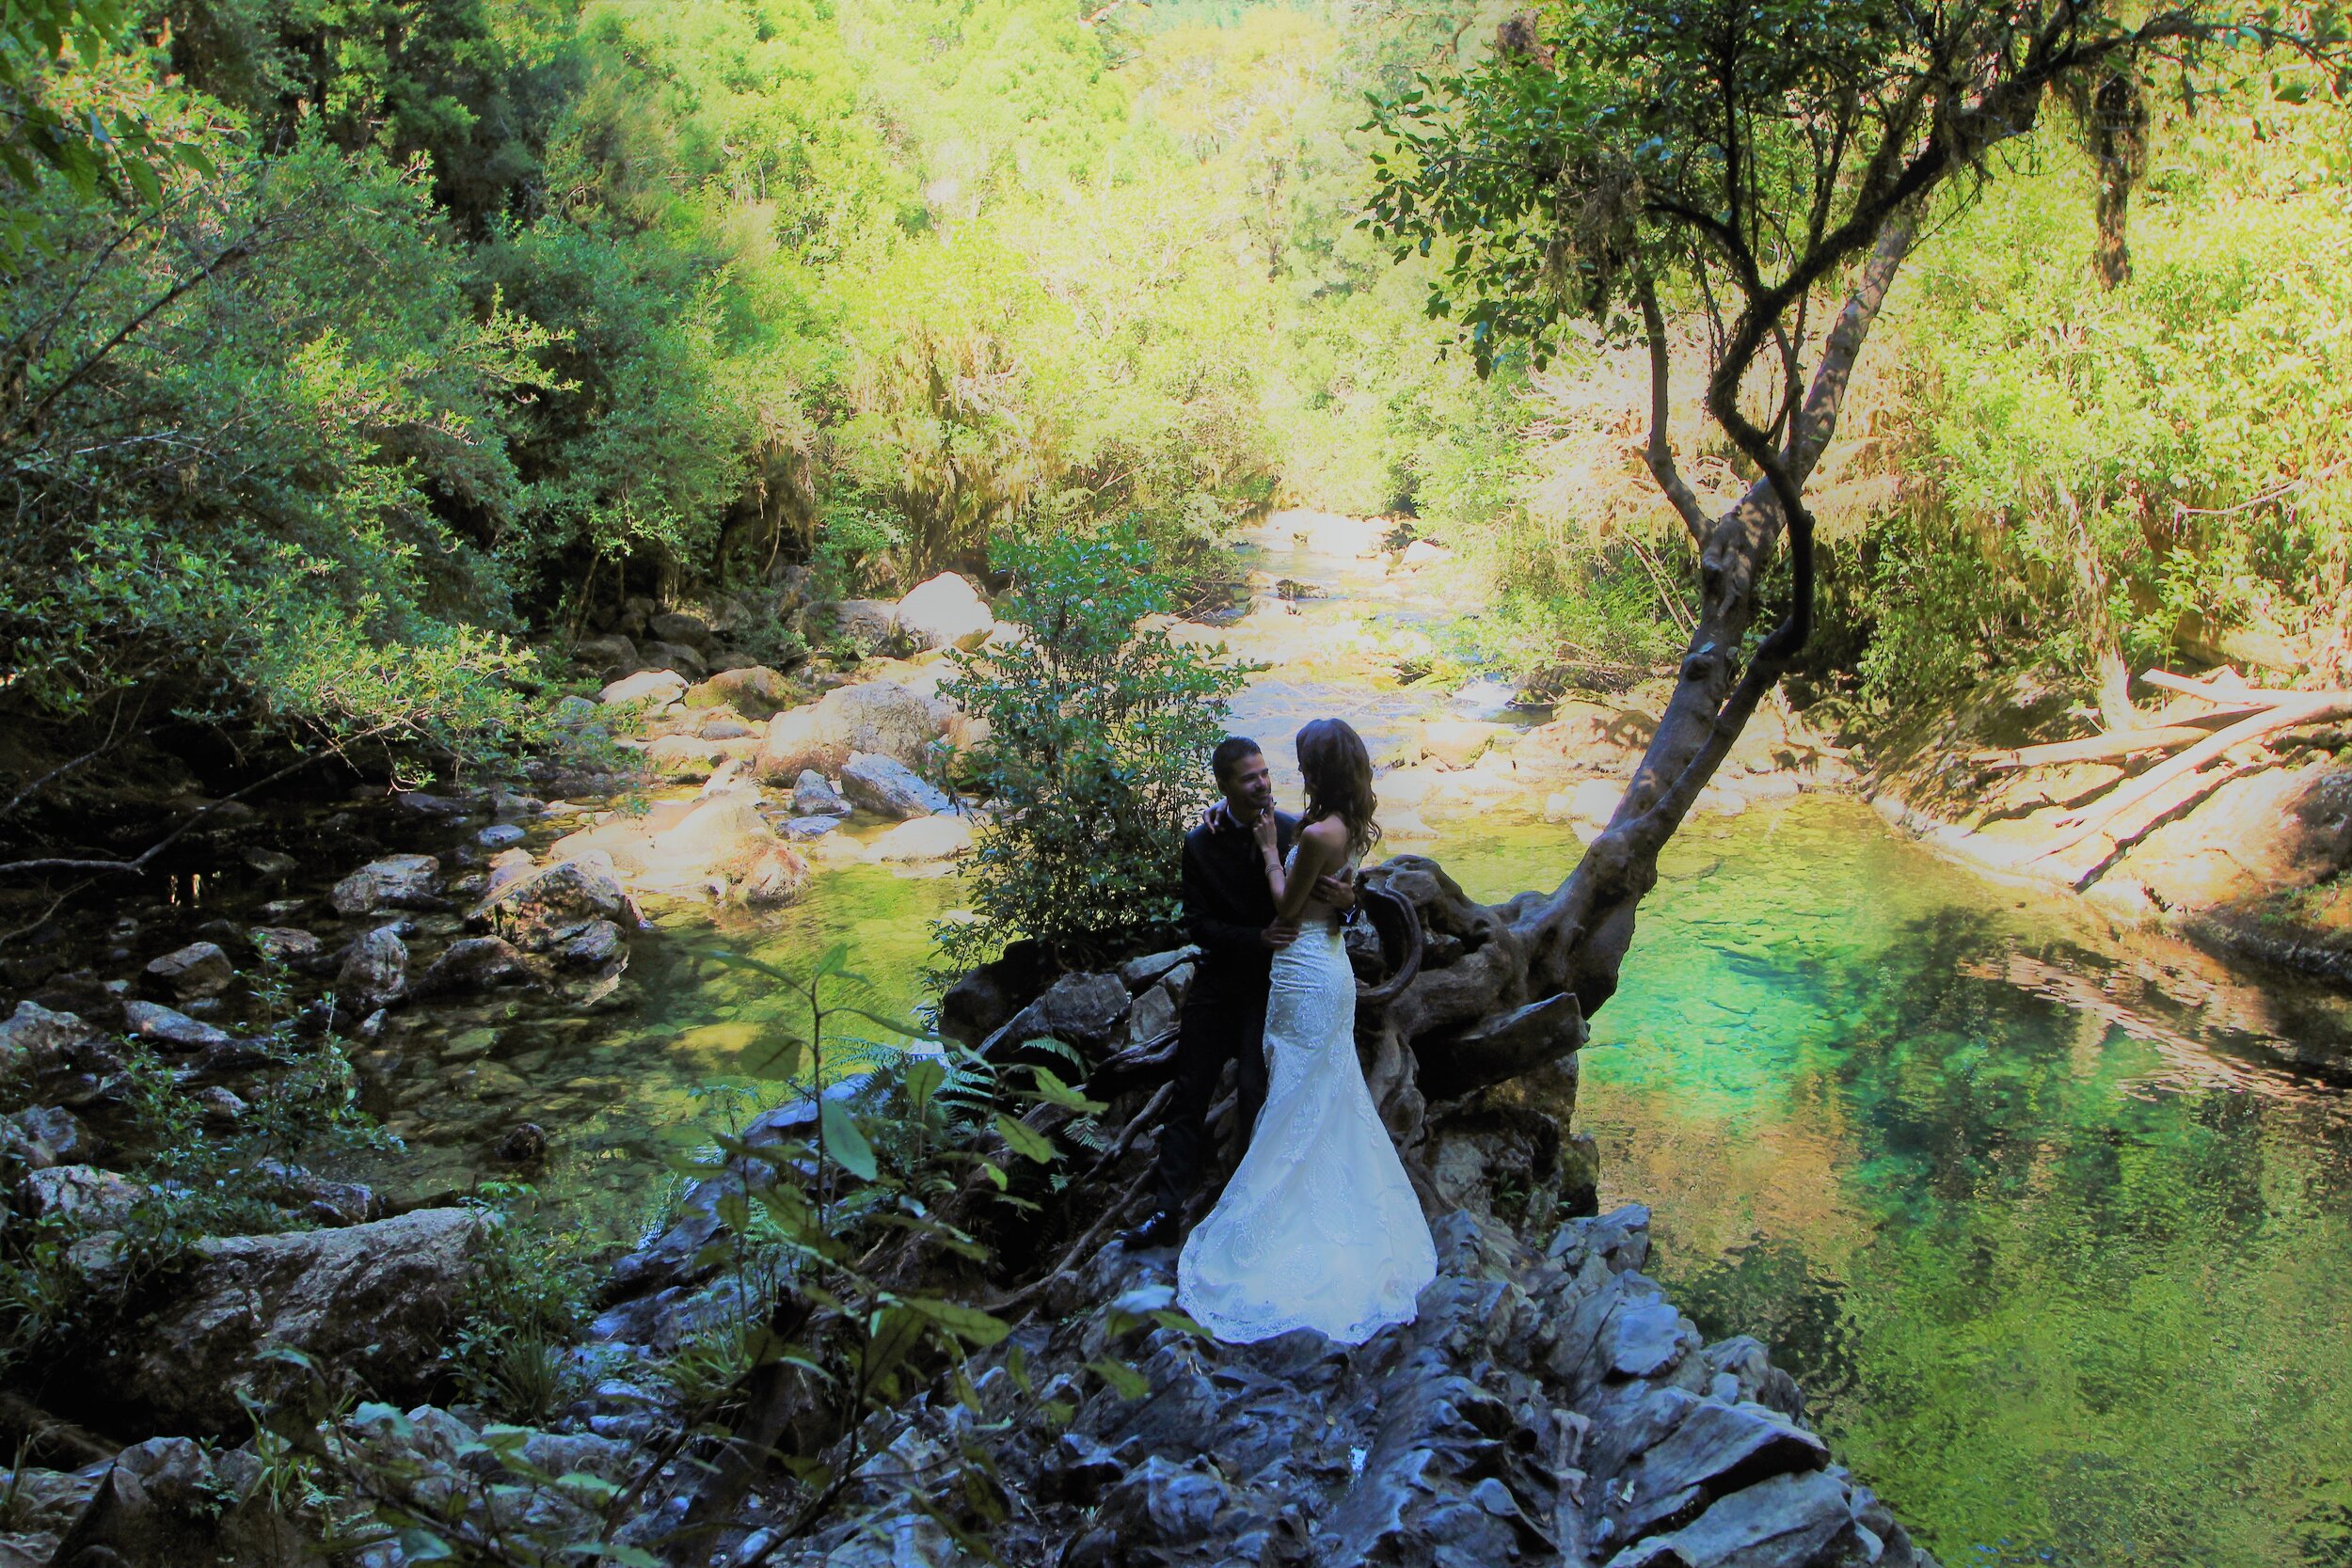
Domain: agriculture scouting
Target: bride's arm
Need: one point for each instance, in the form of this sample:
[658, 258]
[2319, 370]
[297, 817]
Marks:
[1321, 847]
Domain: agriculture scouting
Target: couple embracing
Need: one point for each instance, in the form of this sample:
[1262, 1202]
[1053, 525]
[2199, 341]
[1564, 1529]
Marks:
[1319, 1227]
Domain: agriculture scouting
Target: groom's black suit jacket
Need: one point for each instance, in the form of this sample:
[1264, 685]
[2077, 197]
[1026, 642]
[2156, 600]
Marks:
[1226, 903]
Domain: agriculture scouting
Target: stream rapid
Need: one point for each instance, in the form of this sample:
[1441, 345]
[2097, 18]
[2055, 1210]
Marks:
[2050, 1223]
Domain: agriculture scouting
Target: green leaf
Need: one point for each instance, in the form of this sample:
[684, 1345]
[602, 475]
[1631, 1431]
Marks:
[844, 1142]
[1051, 1088]
[924, 1076]
[1024, 1140]
[612, 1551]
[966, 1322]
[1129, 1383]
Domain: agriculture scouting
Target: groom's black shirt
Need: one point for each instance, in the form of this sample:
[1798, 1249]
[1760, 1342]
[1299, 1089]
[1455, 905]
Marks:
[1226, 903]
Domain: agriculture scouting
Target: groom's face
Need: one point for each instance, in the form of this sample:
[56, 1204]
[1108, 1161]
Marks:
[1248, 788]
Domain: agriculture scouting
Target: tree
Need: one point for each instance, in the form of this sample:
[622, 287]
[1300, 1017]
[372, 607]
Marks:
[1759, 156]
[1097, 757]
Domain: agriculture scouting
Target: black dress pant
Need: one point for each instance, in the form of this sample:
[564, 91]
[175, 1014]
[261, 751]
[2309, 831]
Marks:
[1229, 1025]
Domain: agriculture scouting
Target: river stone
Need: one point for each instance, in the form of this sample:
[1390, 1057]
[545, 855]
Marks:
[1078, 1010]
[1457, 742]
[396, 881]
[374, 970]
[162, 1026]
[926, 839]
[802, 829]
[499, 835]
[1136, 974]
[1163, 1502]
[889, 787]
[529, 910]
[98, 1200]
[947, 611]
[171, 1502]
[880, 717]
[372, 1305]
[729, 727]
[813, 795]
[1717, 1448]
[595, 944]
[755, 690]
[199, 969]
[676, 625]
[269, 865]
[653, 686]
[776, 878]
[684, 756]
[476, 964]
[283, 944]
[1790, 1521]
[575, 712]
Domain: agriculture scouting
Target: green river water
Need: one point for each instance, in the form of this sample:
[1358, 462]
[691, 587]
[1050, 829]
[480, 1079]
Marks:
[2051, 1225]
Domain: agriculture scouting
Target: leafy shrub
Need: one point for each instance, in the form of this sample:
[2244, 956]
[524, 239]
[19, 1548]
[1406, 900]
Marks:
[1097, 761]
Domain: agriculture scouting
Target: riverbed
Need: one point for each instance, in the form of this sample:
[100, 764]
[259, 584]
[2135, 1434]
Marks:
[2050, 1221]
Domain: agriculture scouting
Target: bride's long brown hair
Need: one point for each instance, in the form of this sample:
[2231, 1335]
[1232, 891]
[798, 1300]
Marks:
[1339, 780]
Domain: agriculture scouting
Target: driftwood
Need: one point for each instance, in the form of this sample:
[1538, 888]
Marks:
[2114, 744]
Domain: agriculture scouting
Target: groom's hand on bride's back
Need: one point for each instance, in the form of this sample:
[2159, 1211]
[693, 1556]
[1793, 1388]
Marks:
[1279, 935]
[1337, 892]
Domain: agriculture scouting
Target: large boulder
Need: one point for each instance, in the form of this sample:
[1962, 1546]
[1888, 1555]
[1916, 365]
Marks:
[533, 909]
[926, 839]
[944, 612]
[880, 717]
[676, 625]
[40, 1136]
[99, 1199]
[656, 687]
[199, 969]
[476, 964]
[394, 882]
[889, 787]
[869, 626]
[58, 1056]
[755, 690]
[370, 1305]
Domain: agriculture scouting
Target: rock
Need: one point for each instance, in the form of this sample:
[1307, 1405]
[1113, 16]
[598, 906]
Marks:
[98, 1200]
[755, 691]
[612, 656]
[1136, 974]
[523, 1143]
[221, 1108]
[499, 835]
[1457, 742]
[880, 717]
[159, 1025]
[676, 625]
[806, 828]
[1154, 1014]
[889, 787]
[1085, 1010]
[317, 1199]
[40, 1136]
[1169, 1504]
[63, 1060]
[813, 795]
[269, 865]
[375, 969]
[944, 612]
[1590, 804]
[529, 910]
[980, 1002]
[396, 881]
[1790, 1521]
[508, 867]
[171, 1502]
[595, 944]
[776, 878]
[926, 839]
[684, 756]
[728, 729]
[1423, 552]
[869, 626]
[1717, 1448]
[43, 1505]
[576, 712]
[476, 964]
[371, 1304]
[199, 969]
[652, 688]
[283, 944]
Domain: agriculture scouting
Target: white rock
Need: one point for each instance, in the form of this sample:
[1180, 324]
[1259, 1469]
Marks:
[647, 685]
[946, 612]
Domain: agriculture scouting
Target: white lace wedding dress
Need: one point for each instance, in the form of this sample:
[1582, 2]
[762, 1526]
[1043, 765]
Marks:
[1319, 1227]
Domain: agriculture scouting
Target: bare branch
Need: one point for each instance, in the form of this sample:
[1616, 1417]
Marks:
[1660, 452]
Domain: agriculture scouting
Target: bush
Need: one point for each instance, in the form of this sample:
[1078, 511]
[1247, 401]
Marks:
[1099, 730]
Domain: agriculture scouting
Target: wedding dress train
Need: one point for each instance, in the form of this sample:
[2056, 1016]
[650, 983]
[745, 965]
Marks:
[1319, 1227]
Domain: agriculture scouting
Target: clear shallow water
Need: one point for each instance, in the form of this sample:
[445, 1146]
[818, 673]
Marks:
[2054, 1233]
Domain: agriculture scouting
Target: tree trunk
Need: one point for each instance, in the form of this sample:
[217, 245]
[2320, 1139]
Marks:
[2116, 130]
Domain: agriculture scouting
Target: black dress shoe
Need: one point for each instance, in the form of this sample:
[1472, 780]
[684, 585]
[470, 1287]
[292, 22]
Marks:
[1158, 1230]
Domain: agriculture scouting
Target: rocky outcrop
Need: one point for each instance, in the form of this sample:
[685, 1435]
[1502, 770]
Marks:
[1547, 1406]
[532, 910]
[368, 1305]
[55, 1058]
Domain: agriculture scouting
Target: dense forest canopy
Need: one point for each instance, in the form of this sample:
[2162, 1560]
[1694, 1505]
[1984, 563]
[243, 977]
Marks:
[375, 343]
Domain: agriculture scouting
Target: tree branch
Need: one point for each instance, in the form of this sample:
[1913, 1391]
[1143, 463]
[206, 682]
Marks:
[1660, 452]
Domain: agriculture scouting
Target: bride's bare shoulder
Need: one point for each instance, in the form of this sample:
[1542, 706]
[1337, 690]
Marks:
[1328, 832]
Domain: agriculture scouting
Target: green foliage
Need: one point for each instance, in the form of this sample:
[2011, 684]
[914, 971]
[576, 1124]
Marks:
[524, 1306]
[1096, 764]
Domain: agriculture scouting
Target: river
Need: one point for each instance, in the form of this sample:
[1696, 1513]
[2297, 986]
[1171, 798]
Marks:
[2051, 1223]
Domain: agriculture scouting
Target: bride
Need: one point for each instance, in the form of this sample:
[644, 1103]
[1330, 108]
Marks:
[1319, 1227]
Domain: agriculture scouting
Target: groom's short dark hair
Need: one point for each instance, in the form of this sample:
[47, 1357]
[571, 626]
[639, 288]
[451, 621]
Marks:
[1229, 753]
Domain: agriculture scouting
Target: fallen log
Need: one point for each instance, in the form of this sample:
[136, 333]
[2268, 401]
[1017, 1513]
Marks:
[2225, 692]
[2306, 708]
[2103, 748]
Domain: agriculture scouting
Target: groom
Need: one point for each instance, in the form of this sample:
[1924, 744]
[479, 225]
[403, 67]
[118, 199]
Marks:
[1229, 913]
